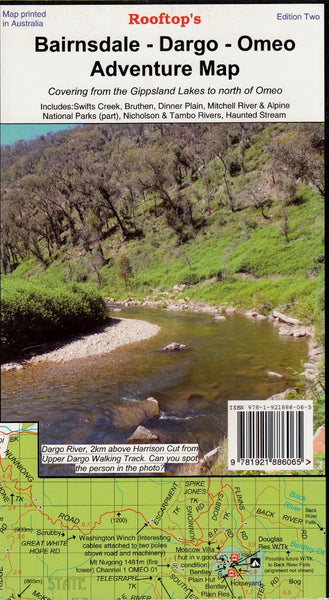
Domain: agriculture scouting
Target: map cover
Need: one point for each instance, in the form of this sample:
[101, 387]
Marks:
[162, 318]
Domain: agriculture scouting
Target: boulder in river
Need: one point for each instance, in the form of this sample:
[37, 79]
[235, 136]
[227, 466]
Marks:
[310, 374]
[251, 313]
[281, 396]
[285, 319]
[285, 331]
[134, 412]
[230, 310]
[273, 374]
[143, 436]
[174, 347]
[316, 353]
[301, 332]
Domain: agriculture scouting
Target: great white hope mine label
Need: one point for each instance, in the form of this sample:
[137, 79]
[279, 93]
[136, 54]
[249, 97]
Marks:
[119, 458]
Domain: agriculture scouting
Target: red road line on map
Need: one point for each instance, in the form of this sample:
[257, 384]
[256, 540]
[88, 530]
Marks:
[209, 508]
[174, 523]
[11, 568]
[242, 588]
[184, 577]
[199, 541]
[97, 522]
[221, 489]
[237, 508]
[194, 520]
[17, 431]
[265, 517]
[242, 517]
[280, 584]
[14, 481]
[222, 546]
[234, 500]
[284, 525]
[208, 487]
[269, 487]
[155, 591]
[205, 511]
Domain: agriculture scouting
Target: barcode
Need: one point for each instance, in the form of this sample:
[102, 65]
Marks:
[270, 435]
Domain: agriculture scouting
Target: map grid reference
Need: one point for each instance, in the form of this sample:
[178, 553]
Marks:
[157, 538]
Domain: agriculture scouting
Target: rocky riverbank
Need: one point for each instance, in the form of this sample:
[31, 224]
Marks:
[119, 332]
[125, 331]
[287, 325]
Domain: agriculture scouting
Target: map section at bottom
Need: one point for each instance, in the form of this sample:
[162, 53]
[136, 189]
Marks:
[145, 539]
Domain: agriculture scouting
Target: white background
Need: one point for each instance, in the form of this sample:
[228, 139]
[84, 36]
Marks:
[27, 75]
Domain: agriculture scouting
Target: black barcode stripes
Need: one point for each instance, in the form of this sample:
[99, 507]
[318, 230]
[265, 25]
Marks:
[270, 434]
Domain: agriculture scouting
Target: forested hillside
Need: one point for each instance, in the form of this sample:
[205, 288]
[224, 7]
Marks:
[234, 212]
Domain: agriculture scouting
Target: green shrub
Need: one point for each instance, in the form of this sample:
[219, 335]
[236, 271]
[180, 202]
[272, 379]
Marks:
[262, 304]
[189, 278]
[234, 167]
[32, 314]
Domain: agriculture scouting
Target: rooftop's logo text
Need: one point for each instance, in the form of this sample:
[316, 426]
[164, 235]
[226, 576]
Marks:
[164, 19]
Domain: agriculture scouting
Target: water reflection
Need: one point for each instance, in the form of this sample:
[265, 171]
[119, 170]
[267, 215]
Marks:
[77, 401]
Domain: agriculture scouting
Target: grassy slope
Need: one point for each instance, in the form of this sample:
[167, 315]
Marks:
[237, 257]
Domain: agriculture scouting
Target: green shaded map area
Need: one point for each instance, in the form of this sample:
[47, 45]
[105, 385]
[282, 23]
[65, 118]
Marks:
[134, 539]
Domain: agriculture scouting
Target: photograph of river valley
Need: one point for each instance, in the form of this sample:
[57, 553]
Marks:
[153, 272]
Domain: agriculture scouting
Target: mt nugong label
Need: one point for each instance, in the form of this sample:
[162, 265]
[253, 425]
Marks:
[197, 538]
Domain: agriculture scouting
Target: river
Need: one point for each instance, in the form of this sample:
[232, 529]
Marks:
[77, 401]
